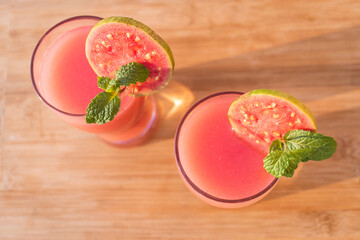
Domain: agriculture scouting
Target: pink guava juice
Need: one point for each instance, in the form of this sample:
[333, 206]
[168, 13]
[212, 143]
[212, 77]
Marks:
[215, 164]
[65, 81]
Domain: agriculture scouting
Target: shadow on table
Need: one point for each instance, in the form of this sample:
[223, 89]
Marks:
[311, 69]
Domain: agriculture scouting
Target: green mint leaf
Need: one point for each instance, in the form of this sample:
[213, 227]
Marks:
[103, 82]
[114, 86]
[313, 145]
[281, 163]
[295, 147]
[131, 73]
[103, 108]
[276, 145]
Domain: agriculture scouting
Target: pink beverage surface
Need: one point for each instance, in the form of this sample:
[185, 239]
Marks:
[215, 159]
[66, 79]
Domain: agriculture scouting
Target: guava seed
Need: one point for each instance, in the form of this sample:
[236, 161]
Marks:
[275, 115]
[147, 56]
[104, 43]
[276, 134]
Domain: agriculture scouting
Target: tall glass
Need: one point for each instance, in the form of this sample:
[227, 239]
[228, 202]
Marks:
[133, 124]
[217, 166]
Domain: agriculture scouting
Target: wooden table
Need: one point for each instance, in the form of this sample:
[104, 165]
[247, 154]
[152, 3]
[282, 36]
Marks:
[57, 182]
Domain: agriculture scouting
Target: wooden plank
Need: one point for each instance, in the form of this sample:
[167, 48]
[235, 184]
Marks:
[57, 182]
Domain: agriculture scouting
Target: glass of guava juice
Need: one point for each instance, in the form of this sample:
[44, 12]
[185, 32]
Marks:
[232, 147]
[214, 163]
[65, 82]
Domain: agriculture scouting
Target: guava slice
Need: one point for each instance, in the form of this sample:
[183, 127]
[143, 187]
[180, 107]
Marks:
[116, 41]
[263, 115]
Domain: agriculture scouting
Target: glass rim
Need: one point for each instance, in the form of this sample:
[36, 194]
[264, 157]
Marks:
[80, 17]
[187, 178]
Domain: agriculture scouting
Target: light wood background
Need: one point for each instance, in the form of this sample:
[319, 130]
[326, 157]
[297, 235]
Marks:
[57, 182]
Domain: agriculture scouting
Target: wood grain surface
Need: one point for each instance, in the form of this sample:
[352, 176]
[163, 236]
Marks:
[57, 182]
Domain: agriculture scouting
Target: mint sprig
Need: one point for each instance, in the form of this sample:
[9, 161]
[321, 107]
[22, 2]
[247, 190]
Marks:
[297, 146]
[103, 82]
[132, 73]
[105, 105]
[103, 108]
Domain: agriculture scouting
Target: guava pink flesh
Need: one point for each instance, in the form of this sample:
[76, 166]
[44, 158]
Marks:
[112, 45]
[260, 119]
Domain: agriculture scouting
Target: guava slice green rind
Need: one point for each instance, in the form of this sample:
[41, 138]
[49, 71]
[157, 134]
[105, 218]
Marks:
[145, 28]
[116, 41]
[261, 116]
[289, 98]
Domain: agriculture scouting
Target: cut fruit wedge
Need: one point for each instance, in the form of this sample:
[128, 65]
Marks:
[116, 41]
[263, 115]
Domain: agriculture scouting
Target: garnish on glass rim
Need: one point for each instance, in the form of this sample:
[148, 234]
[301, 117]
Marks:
[297, 146]
[105, 105]
[115, 40]
[275, 121]
[110, 43]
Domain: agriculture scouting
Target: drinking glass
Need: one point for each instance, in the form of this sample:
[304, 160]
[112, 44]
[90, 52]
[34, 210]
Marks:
[131, 126]
[202, 153]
